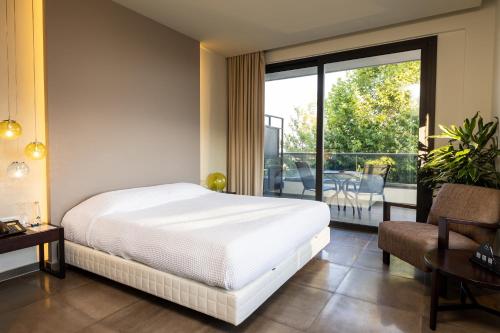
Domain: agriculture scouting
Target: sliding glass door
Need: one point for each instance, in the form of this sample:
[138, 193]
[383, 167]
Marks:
[371, 120]
[347, 128]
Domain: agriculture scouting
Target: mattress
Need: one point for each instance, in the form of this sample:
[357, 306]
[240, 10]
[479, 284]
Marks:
[228, 305]
[220, 240]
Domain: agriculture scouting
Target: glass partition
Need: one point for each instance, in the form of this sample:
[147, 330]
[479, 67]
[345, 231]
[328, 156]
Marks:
[290, 133]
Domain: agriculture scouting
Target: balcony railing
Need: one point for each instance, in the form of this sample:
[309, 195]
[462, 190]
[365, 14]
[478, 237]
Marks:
[403, 166]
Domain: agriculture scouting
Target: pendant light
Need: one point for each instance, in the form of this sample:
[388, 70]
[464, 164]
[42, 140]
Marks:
[9, 128]
[17, 170]
[35, 150]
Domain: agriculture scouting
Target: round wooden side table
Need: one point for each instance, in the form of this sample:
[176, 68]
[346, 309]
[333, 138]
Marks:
[456, 263]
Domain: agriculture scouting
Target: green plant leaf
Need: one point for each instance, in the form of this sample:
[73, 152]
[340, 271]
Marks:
[468, 158]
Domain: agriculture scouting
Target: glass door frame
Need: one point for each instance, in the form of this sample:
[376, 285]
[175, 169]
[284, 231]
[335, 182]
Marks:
[427, 109]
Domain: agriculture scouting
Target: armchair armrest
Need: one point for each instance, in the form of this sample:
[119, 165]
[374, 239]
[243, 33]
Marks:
[388, 205]
[444, 229]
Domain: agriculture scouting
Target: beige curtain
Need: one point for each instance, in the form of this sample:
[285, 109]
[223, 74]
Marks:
[246, 123]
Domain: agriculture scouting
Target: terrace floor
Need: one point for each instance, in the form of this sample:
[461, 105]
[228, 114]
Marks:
[365, 217]
[370, 218]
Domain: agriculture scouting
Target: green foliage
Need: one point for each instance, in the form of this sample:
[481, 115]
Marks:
[384, 160]
[468, 158]
[369, 111]
[302, 135]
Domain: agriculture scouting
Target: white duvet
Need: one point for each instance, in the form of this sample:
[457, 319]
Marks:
[222, 240]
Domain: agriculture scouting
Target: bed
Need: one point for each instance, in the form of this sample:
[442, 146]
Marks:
[220, 254]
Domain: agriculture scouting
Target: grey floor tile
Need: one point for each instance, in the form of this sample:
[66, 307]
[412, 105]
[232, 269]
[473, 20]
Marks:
[349, 315]
[98, 300]
[295, 305]
[384, 289]
[51, 284]
[321, 274]
[340, 254]
[154, 315]
[468, 321]
[251, 325]
[15, 294]
[46, 315]
[372, 260]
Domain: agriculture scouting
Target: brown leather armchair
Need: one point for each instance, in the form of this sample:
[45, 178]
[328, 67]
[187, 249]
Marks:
[467, 216]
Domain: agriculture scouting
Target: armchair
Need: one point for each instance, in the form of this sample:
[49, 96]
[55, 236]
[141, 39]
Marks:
[461, 217]
[444, 229]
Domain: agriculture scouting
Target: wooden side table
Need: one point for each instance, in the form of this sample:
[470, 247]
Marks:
[456, 263]
[38, 236]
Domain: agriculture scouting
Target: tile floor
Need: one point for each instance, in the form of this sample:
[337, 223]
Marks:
[345, 289]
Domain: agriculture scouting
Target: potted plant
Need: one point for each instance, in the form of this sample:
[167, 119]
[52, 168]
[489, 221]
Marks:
[468, 158]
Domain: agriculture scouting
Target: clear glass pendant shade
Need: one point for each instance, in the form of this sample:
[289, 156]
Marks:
[35, 150]
[10, 129]
[18, 170]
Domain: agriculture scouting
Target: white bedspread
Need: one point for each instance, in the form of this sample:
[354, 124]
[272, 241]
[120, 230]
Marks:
[222, 240]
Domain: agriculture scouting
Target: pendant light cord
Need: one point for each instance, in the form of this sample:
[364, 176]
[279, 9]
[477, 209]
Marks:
[34, 67]
[7, 55]
[15, 57]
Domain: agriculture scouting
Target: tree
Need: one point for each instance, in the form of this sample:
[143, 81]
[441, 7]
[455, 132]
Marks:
[369, 111]
[301, 134]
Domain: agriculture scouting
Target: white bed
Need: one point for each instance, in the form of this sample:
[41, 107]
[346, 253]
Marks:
[220, 254]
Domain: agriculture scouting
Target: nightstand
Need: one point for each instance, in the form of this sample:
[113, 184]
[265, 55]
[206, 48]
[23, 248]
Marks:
[38, 236]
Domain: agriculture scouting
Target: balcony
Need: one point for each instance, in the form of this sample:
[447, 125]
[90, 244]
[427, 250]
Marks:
[400, 185]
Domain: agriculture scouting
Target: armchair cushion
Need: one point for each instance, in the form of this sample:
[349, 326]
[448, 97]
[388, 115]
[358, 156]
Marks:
[467, 202]
[410, 241]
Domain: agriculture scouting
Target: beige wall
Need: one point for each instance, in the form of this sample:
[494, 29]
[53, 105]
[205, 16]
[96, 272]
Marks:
[213, 113]
[16, 197]
[464, 64]
[122, 102]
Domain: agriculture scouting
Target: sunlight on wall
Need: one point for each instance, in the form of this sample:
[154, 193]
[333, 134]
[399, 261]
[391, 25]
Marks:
[17, 196]
[213, 113]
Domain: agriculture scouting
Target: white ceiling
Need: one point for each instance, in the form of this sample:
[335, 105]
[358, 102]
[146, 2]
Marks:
[232, 27]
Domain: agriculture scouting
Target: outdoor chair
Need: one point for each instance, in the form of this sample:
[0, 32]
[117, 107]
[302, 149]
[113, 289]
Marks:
[309, 180]
[372, 182]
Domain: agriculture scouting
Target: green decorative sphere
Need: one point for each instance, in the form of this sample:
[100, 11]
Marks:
[216, 181]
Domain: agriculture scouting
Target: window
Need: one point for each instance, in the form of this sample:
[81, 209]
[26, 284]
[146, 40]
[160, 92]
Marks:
[346, 128]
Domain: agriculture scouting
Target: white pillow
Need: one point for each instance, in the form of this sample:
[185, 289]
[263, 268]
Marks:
[78, 220]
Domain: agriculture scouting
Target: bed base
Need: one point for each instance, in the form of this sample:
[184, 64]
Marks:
[232, 306]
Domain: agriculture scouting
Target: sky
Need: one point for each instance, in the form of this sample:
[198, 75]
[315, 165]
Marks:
[283, 96]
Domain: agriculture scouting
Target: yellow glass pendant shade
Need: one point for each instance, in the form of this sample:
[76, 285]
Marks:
[10, 129]
[35, 150]
[216, 181]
